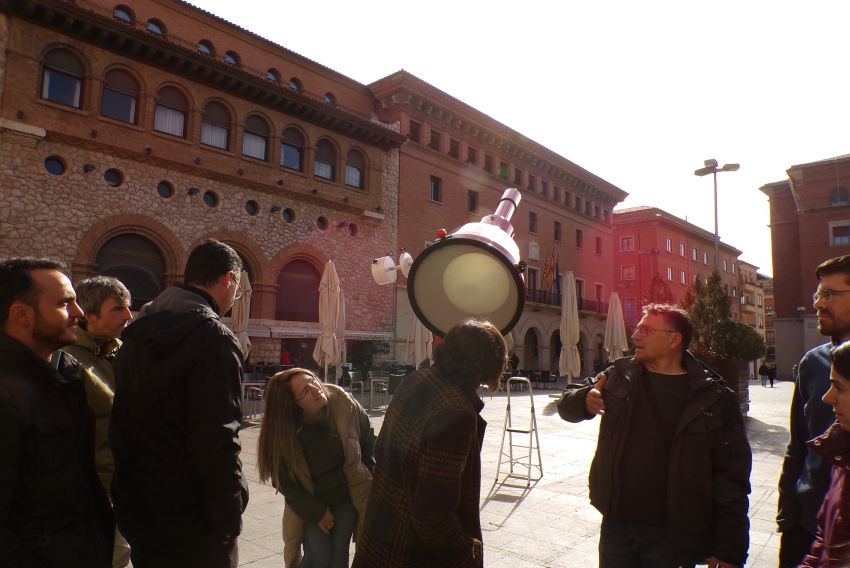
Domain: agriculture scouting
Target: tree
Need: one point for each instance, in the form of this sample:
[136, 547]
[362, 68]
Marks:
[737, 340]
[708, 304]
[658, 292]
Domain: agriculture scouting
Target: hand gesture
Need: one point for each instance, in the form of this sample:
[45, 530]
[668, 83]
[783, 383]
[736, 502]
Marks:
[594, 404]
[715, 562]
[326, 523]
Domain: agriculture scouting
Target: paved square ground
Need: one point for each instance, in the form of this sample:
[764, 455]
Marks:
[551, 523]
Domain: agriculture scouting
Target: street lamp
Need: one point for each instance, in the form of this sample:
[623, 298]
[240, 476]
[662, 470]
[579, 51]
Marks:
[711, 168]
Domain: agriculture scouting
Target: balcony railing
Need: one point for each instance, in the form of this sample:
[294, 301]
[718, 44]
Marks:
[554, 299]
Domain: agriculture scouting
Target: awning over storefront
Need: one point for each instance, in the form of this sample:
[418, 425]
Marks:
[306, 331]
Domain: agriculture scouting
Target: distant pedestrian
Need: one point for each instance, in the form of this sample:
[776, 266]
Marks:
[106, 312]
[805, 475]
[771, 374]
[514, 360]
[830, 547]
[315, 447]
[178, 488]
[671, 470]
[424, 507]
[54, 512]
[763, 372]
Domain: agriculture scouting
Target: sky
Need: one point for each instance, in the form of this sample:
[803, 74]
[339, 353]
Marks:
[639, 93]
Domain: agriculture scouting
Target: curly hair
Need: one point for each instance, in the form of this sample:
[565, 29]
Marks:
[473, 353]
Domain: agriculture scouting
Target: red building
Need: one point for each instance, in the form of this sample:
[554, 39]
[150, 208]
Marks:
[649, 242]
[454, 168]
[809, 223]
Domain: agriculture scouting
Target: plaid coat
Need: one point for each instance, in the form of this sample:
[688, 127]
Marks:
[423, 508]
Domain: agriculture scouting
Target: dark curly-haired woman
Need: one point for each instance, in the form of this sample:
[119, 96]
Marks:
[423, 508]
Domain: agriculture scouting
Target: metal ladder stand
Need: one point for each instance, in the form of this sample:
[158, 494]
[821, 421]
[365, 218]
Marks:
[510, 430]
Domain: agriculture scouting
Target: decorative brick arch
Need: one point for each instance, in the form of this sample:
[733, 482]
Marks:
[247, 249]
[297, 251]
[169, 246]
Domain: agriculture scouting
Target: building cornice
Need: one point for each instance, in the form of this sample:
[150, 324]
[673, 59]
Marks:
[641, 215]
[420, 98]
[117, 37]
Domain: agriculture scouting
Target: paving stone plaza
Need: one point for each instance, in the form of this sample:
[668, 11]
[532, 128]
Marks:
[550, 524]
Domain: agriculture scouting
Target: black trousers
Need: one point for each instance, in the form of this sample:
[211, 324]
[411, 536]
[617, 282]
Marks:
[794, 544]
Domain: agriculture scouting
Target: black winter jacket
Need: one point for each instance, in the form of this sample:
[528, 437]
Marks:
[709, 465]
[175, 424]
[54, 512]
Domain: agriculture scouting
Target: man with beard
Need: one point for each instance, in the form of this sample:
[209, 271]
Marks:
[53, 510]
[805, 476]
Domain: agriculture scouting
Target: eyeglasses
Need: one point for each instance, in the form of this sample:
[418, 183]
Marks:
[826, 295]
[643, 330]
[313, 383]
[239, 291]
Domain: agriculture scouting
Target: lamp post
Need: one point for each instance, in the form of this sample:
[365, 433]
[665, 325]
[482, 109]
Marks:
[711, 168]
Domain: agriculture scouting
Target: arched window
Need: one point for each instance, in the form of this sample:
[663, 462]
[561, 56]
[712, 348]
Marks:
[839, 196]
[120, 93]
[292, 150]
[298, 292]
[136, 262]
[62, 78]
[123, 14]
[170, 112]
[215, 126]
[206, 48]
[295, 84]
[155, 27]
[354, 169]
[255, 139]
[273, 76]
[231, 58]
[323, 166]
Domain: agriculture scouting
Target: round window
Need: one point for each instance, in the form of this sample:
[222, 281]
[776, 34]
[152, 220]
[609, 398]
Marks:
[210, 199]
[251, 207]
[113, 178]
[352, 230]
[54, 165]
[288, 215]
[322, 223]
[165, 189]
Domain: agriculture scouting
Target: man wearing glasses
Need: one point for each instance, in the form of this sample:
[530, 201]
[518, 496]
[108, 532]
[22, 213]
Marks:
[671, 470]
[805, 476]
[178, 490]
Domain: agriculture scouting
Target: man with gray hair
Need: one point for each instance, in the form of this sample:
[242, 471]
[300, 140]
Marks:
[106, 307]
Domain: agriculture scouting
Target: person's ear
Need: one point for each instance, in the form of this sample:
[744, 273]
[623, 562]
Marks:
[21, 314]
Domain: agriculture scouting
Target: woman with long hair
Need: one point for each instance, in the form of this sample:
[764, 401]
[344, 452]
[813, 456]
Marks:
[315, 447]
[423, 509]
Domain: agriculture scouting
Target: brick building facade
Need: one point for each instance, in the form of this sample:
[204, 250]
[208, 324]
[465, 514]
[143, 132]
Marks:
[130, 134]
[809, 223]
[454, 168]
[650, 242]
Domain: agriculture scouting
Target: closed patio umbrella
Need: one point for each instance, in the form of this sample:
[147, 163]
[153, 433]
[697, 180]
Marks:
[328, 351]
[240, 312]
[420, 342]
[569, 363]
[616, 342]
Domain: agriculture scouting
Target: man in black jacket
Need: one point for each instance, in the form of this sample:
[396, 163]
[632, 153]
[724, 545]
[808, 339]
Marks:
[53, 511]
[178, 489]
[671, 470]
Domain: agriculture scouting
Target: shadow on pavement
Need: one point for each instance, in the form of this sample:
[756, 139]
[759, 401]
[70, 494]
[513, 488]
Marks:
[765, 437]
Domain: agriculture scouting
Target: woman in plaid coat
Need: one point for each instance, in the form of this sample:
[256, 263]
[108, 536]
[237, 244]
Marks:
[423, 507]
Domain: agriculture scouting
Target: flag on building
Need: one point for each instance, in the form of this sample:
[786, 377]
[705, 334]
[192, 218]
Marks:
[558, 274]
[545, 280]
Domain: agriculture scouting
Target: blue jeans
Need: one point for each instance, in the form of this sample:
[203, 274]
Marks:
[330, 550]
[625, 544]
